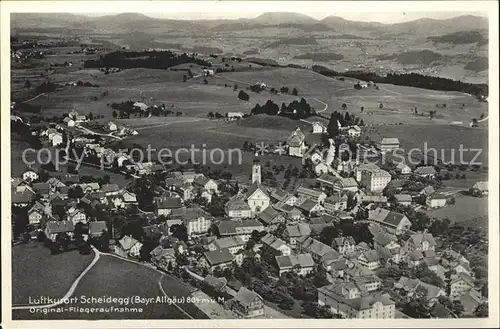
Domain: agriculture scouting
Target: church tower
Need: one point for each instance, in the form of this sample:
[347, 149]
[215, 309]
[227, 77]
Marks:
[256, 178]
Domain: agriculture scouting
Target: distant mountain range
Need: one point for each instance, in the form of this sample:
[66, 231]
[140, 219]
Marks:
[134, 21]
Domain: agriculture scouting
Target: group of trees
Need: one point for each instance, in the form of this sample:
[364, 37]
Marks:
[294, 110]
[146, 59]
[344, 120]
[410, 80]
[358, 230]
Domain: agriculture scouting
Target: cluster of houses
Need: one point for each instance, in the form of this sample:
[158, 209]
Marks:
[57, 204]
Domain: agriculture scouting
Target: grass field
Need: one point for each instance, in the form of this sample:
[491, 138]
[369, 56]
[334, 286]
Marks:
[467, 209]
[35, 272]
[443, 138]
[118, 278]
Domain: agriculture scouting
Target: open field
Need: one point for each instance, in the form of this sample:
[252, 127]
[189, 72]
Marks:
[118, 278]
[445, 139]
[35, 272]
[467, 209]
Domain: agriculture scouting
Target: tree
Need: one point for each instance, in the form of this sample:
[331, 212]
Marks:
[344, 106]
[27, 85]
[328, 234]
[235, 87]
[481, 310]
[205, 81]
[210, 115]
[115, 114]
[381, 106]
[184, 78]
[319, 278]
[179, 231]
[295, 92]
[243, 96]
[91, 116]
[457, 308]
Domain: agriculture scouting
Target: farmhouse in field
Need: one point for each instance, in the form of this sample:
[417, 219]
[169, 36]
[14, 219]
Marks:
[234, 115]
[389, 144]
[112, 126]
[436, 200]
[296, 143]
[318, 128]
[426, 171]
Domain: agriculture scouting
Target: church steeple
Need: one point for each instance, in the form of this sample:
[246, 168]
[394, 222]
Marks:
[256, 175]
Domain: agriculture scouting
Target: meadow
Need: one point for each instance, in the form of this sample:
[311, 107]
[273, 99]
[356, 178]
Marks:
[35, 272]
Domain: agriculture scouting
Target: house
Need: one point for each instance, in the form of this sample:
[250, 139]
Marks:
[425, 171]
[394, 255]
[364, 167]
[257, 198]
[237, 208]
[57, 139]
[143, 107]
[403, 168]
[247, 304]
[354, 131]
[318, 128]
[435, 200]
[296, 143]
[427, 191]
[165, 205]
[403, 199]
[195, 219]
[282, 196]
[112, 126]
[129, 198]
[69, 122]
[234, 115]
[471, 301]
[375, 180]
[409, 287]
[276, 245]
[460, 285]
[296, 233]
[335, 202]
[369, 259]
[368, 283]
[314, 195]
[110, 189]
[220, 259]
[234, 244]
[415, 258]
[292, 213]
[389, 144]
[395, 222]
[53, 228]
[36, 213]
[96, 229]
[421, 241]
[320, 252]
[163, 258]
[206, 183]
[320, 168]
[30, 174]
[347, 300]
[309, 207]
[302, 264]
[213, 285]
[240, 228]
[128, 247]
[383, 240]
[481, 187]
[344, 245]
[77, 216]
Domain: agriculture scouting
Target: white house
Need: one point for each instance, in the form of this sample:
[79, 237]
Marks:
[403, 168]
[112, 126]
[57, 139]
[318, 128]
[69, 122]
[234, 115]
[296, 143]
[354, 131]
[436, 200]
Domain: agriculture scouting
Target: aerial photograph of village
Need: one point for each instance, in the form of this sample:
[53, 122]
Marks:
[271, 165]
